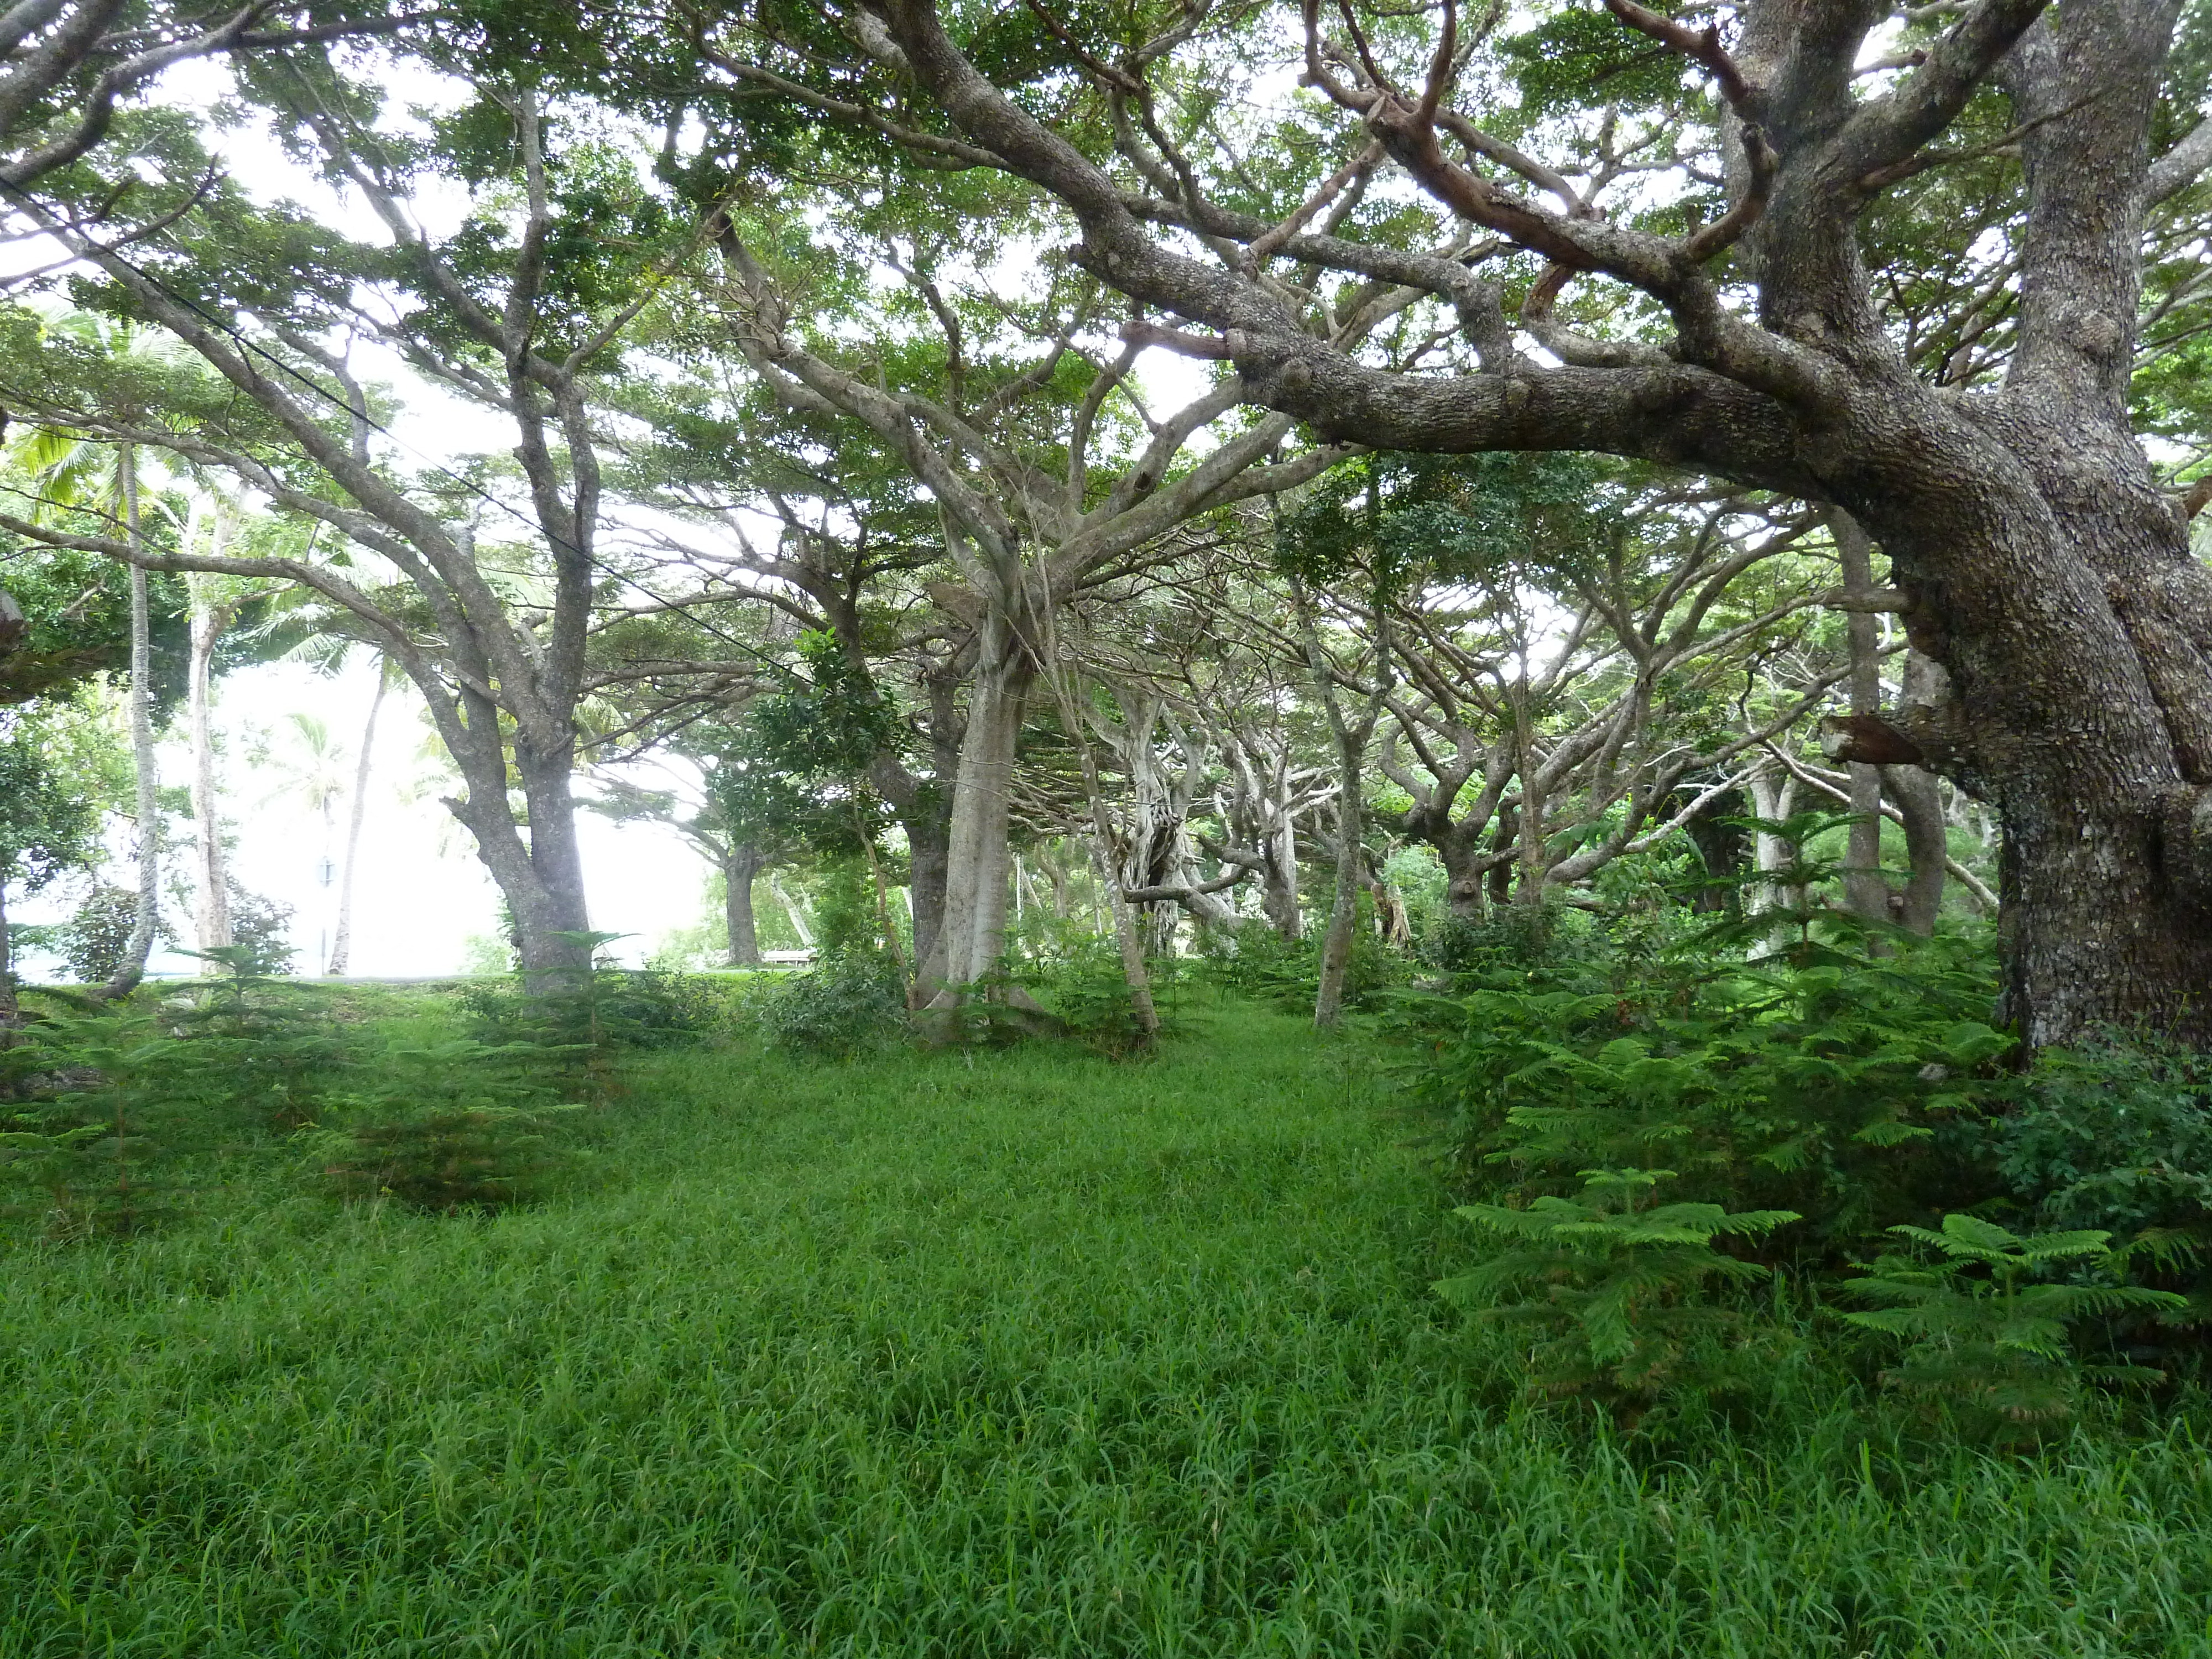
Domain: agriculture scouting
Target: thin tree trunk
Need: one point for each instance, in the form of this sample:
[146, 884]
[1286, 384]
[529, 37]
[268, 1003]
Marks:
[1917, 799]
[1773, 792]
[882, 903]
[1344, 914]
[132, 969]
[797, 916]
[1280, 899]
[1133, 971]
[212, 923]
[342, 946]
[1866, 891]
[10, 1010]
[1352, 738]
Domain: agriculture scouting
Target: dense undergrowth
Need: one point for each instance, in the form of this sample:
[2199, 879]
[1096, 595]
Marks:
[1653, 1128]
[977, 1350]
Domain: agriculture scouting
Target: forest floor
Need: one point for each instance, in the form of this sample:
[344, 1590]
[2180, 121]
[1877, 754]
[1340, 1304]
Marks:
[1013, 1353]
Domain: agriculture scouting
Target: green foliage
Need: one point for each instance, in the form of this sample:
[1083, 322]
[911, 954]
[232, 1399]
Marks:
[96, 934]
[1254, 960]
[271, 1047]
[49, 816]
[1850, 1093]
[586, 1013]
[2116, 1134]
[1983, 1334]
[795, 770]
[846, 918]
[1606, 1290]
[262, 927]
[844, 1005]
[95, 1149]
[1085, 984]
[1456, 518]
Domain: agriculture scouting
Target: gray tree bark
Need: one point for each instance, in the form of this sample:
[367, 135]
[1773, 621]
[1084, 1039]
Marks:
[146, 775]
[357, 814]
[741, 935]
[1866, 888]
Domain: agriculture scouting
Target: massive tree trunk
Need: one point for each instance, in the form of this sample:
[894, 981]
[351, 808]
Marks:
[928, 843]
[740, 864]
[537, 872]
[971, 937]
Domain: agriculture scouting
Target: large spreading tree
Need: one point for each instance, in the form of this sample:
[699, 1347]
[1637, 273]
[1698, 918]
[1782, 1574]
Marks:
[1894, 263]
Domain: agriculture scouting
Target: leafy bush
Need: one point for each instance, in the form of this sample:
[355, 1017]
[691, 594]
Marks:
[1982, 1333]
[262, 927]
[1852, 1092]
[2116, 1134]
[96, 934]
[96, 1147]
[261, 1043]
[1089, 990]
[1608, 1289]
[588, 1011]
[1254, 959]
[843, 1004]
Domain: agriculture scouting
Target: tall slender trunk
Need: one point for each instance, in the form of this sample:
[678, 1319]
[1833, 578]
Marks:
[1279, 899]
[208, 623]
[740, 864]
[793, 913]
[1774, 793]
[1919, 801]
[1866, 891]
[342, 944]
[132, 968]
[1126, 934]
[10, 1011]
[1344, 913]
[1352, 736]
[210, 620]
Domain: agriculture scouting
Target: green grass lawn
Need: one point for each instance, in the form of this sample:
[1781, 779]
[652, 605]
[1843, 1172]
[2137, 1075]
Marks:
[1013, 1353]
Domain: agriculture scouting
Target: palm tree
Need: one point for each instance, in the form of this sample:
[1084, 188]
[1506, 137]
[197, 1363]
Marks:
[74, 474]
[313, 768]
[341, 945]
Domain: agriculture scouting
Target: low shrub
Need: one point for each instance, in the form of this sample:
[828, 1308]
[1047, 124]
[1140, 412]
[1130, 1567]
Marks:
[1854, 1090]
[2114, 1134]
[1088, 988]
[1607, 1288]
[1253, 959]
[1985, 1331]
[846, 1004]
